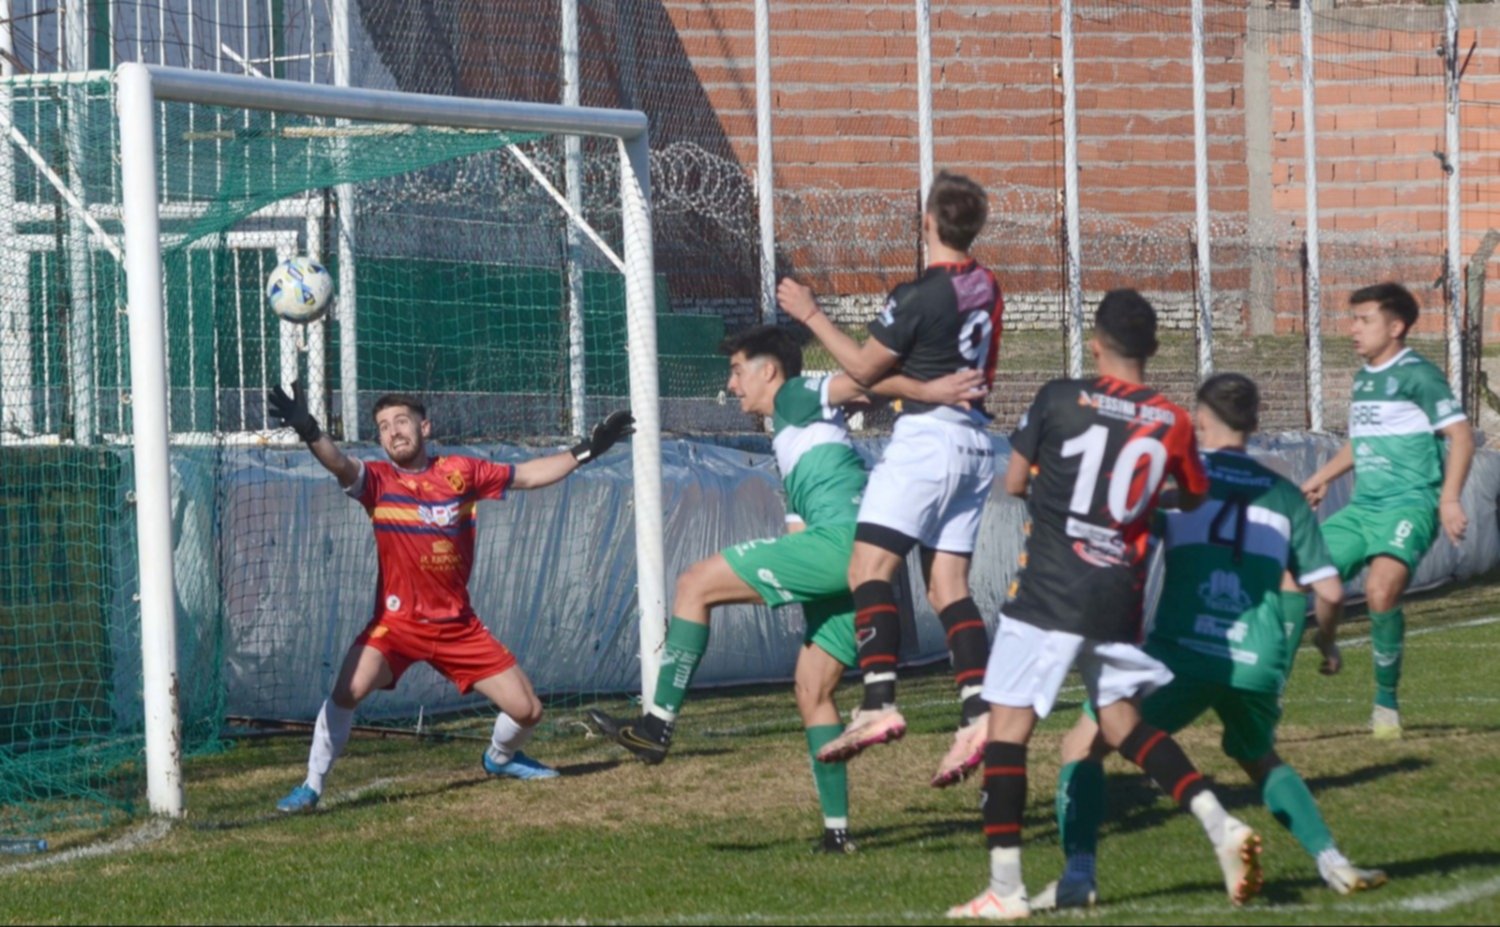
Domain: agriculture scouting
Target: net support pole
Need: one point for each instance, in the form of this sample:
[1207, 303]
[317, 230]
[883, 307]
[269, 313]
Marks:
[1310, 186]
[640, 318]
[1073, 305]
[765, 178]
[1205, 294]
[148, 406]
[573, 183]
[81, 340]
[924, 99]
[16, 416]
[1454, 214]
[348, 297]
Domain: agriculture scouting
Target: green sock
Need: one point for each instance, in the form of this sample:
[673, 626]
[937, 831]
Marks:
[1290, 801]
[686, 641]
[1293, 623]
[1387, 631]
[832, 779]
[1080, 807]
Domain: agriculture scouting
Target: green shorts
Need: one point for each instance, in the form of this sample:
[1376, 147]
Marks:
[1249, 718]
[1359, 532]
[810, 567]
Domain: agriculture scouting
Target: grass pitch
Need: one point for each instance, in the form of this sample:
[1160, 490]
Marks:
[720, 833]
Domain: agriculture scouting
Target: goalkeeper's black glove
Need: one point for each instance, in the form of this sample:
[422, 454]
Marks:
[292, 410]
[603, 437]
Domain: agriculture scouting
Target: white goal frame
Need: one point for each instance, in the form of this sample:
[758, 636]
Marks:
[139, 88]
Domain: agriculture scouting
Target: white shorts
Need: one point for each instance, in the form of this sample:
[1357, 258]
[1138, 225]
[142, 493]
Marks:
[931, 483]
[1028, 665]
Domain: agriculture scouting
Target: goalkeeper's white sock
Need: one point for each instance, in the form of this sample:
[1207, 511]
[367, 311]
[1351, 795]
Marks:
[330, 735]
[508, 738]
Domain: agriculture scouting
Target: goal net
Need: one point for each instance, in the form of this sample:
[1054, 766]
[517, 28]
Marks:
[171, 551]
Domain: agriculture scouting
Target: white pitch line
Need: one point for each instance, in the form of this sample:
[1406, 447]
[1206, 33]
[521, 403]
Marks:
[1433, 629]
[149, 832]
[1442, 901]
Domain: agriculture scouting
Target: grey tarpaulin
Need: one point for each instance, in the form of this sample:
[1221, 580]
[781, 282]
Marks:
[554, 574]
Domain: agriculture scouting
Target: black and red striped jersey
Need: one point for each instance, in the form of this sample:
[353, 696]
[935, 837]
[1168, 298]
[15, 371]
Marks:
[945, 321]
[1100, 450]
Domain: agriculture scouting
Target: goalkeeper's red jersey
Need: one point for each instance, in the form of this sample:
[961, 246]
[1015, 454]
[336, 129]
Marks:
[424, 532]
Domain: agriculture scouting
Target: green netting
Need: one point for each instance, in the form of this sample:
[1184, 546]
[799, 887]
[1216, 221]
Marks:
[461, 265]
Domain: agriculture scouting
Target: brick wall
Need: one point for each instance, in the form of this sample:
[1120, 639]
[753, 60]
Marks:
[846, 149]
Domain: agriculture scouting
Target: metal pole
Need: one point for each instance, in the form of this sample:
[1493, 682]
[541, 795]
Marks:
[347, 299]
[1310, 183]
[1205, 293]
[765, 181]
[573, 181]
[16, 416]
[640, 316]
[1074, 317]
[81, 340]
[924, 95]
[148, 395]
[1454, 217]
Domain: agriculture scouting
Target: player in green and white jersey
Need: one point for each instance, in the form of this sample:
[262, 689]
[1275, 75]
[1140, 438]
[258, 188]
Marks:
[1227, 626]
[824, 479]
[1400, 410]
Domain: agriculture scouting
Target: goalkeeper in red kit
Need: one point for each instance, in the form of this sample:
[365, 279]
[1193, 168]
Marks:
[422, 508]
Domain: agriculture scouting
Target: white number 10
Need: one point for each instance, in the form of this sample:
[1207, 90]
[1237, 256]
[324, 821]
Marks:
[1091, 446]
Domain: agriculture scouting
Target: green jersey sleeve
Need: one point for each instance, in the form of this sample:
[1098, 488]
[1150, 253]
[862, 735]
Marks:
[1310, 560]
[1433, 396]
[803, 401]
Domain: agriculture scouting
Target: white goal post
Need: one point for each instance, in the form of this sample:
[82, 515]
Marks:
[139, 88]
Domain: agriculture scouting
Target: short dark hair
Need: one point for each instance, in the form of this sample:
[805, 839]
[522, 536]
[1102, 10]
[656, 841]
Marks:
[391, 400]
[1234, 398]
[1126, 322]
[960, 208]
[766, 341]
[1395, 300]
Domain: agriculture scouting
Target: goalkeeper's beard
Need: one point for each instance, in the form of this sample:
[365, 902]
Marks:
[412, 456]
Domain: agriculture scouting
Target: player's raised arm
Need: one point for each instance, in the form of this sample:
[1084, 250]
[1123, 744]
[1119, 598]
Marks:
[866, 362]
[1315, 487]
[1460, 437]
[544, 471]
[293, 413]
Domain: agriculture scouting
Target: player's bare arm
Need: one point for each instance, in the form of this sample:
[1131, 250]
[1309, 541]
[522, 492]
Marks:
[955, 389]
[1315, 487]
[1328, 608]
[1460, 437]
[866, 363]
[1017, 475]
[544, 471]
[293, 412]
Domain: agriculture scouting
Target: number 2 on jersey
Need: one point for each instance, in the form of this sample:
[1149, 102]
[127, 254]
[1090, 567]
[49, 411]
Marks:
[1091, 445]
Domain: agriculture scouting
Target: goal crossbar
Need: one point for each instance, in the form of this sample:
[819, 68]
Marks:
[139, 88]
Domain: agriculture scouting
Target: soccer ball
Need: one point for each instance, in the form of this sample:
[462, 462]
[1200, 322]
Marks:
[298, 290]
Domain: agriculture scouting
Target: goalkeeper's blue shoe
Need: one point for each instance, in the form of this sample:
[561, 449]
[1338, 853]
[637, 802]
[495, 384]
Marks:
[520, 766]
[302, 800]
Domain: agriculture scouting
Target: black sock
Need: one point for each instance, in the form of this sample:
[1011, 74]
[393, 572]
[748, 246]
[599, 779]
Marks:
[968, 651]
[1004, 793]
[1159, 757]
[655, 728]
[877, 628]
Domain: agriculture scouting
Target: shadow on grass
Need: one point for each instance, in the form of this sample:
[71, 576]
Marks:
[1138, 796]
[925, 825]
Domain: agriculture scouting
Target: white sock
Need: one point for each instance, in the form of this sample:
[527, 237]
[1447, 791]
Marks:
[1005, 871]
[1329, 859]
[1211, 815]
[508, 738]
[330, 735]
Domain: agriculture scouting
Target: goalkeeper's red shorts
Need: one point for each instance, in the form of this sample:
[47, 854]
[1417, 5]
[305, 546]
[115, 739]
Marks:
[462, 649]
